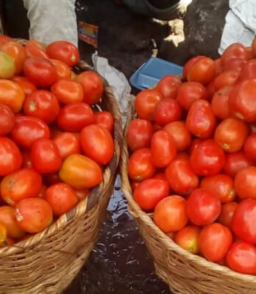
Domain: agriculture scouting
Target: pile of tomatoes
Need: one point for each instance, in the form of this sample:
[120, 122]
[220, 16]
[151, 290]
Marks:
[54, 140]
[193, 157]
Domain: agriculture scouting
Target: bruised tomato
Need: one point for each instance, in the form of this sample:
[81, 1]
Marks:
[187, 238]
[245, 182]
[202, 71]
[167, 111]
[67, 144]
[220, 104]
[250, 147]
[104, 119]
[63, 70]
[168, 86]
[25, 84]
[227, 213]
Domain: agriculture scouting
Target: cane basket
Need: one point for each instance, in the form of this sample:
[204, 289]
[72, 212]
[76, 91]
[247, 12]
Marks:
[184, 272]
[47, 262]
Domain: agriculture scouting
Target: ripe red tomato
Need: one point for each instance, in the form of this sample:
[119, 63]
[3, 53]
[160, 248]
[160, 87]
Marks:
[33, 215]
[29, 129]
[43, 105]
[104, 119]
[170, 214]
[149, 192]
[181, 177]
[227, 78]
[227, 213]
[249, 71]
[24, 183]
[140, 166]
[139, 134]
[235, 50]
[207, 159]
[187, 238]
[68, 91]
[7, 120]
[45, 156]
[63, 51]
[145, 103]
[243, 221]
[67, 144]
[250, 147]
[61, 197]
[74, 117]
[167, 111]
[180, 134]
[189, 92]
[220, 103]
[168, 87]
[235, 64]
[203, 207]
[63, 70]
[189, 63]
[201, 120]
[25, 84]
[202, 71]
[215, 241]
[92, 85]
[245, 182]
[163, 148]
[242, 258]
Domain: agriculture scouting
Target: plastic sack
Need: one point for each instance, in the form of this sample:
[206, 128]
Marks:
[52, 20]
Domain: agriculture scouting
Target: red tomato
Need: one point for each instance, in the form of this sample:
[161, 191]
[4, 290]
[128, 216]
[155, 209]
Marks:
[104, 119]
[74, 117]
[145, 103]
[92, 85]
[227, 213]
[170, 214]
[250, 147]
[235, 50]
[167, 111]
[35, 49]
[220, 103]
[43, 105]
[249, 71]
[140, 166]
[63, 51]
[215, 241]
[26, 160]
[63, 71]
[45, 156]
[243, 221]
[201, 121]
[189, 63]
[235, 64]
[4, 39]
[68, 91]
[245, 182]
[40, 71]
[139, 134]
[24, 183]
[187, 238]
[242, 258]
[67, 144]
[180, 134]
[227, 78]
[29, 129]
[181, 177]
[189, 92]
[163, 149]
[202, 71]
[7, 120]
[25, 84]
[168, 87]
[203, 207]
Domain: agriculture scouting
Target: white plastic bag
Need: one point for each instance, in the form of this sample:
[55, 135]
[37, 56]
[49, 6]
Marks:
[52, 20]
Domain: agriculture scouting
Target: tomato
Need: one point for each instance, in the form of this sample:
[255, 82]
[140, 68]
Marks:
[67, 144]
[4, 39]
[242, 258]
[7, 120]
[52, 178]
[80, 172]
[92, 85]
[202, 71]
[168, 87]
[29, 129]
[195, 144]
[215, 241]
[25, 84]
[149, 192]
[7, 218]
[17, 52]
[243, 221]
[249, 71]
[167, 111]
[68, 91]
[63, 71]
[82, 193]
[189, 92]
[35, 49]
[227, 78]
[235, 64]
[43, 105]
[40, 71]
[3, 234]
[163, 149]
[104, 119]
[235, 50]
[181, 177]
[140, 166]
[245, 182]
[139, 134]
[170, 214]
[241, 101]
[189, 63]
[236, 162]
[33, 215]
[207, 159]
[63, 51]
[201, 120]
[250, 147]
[74, 117]
[145, 103]
[220, 103]
[180, 134]
[7, 66]
[187, 238]
[203, 207]
[227, 213]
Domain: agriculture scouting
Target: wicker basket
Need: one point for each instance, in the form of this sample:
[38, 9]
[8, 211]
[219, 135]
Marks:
[184, 272]
[48, 262]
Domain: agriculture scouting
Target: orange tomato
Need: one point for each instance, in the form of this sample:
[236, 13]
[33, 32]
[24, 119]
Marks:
[63, 71]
